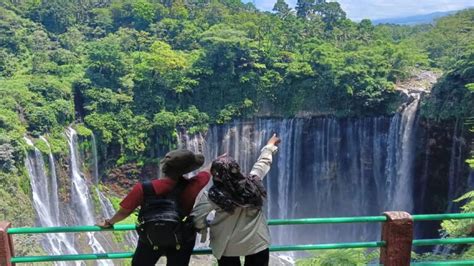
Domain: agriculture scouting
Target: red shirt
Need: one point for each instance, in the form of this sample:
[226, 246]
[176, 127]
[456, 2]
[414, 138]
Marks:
[165, 185]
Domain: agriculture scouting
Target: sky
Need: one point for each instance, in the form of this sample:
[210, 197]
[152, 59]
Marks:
[376, 9]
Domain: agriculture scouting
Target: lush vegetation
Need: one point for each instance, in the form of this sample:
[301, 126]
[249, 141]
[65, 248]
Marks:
[136, 71]
[355, 257]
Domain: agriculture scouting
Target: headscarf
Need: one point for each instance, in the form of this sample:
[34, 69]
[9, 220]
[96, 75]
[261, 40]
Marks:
[232, 189]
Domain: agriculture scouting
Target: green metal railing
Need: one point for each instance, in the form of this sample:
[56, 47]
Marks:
[204, 251]
[334, 220]
[125, 255]
[362, 219]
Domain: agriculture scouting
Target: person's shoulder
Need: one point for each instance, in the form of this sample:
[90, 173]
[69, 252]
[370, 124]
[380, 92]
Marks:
[138, 186]
[137, 189]
[202, 177]
[163, 183]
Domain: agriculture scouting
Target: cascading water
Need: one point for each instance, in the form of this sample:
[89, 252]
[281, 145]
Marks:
[81, 197]
[46, 203]
[54, 200]
[95, 160]
[456, 162]
[405, 160]
[328, 167]
[106, 206]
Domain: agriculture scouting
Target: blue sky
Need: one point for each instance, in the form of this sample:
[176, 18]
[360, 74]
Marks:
[374, 9]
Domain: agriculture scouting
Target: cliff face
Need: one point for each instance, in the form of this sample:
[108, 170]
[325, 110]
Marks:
[441, 173]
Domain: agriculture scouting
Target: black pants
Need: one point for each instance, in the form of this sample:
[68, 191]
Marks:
[258, 259]
[146, 256]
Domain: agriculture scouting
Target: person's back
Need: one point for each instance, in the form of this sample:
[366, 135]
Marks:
[239, 227]
[240, 233]
[148, 254]
[174, 165]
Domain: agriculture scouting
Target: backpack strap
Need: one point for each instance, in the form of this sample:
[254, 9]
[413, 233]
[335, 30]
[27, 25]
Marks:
[148, 190]
[174, 194]
[177, 190]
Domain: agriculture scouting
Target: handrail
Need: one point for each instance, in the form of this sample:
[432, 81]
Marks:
[334, 220]
[442, 241]
[204, 251]
[448, 262]
[442, 216]
[360, 219]
[125, 255]
[68, 229]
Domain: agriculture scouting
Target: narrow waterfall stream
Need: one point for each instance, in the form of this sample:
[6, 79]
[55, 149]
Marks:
[45, 201]
[81, 197]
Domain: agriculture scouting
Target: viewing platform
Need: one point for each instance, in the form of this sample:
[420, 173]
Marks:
[395, 245]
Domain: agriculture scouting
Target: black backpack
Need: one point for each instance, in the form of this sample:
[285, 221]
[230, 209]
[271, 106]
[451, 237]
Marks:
[161, 221]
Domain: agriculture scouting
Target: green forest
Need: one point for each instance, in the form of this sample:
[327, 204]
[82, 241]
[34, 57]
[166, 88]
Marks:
[136, 71]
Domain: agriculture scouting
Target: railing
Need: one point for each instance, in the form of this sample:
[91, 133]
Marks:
[396, 244]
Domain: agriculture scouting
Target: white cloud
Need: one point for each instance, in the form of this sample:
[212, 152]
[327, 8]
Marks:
[374, 9]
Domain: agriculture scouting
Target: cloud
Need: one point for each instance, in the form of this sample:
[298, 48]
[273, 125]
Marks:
[374, 9]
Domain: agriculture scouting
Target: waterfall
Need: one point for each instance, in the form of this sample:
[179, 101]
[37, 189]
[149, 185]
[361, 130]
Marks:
[108, 211]
[406, 159]
[81, 198]
[54, 200]
[46, 203]
[456, 163]
[106, 206]
[327, 167]
[95, 160]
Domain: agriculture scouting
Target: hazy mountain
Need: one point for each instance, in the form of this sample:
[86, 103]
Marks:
[412, 20]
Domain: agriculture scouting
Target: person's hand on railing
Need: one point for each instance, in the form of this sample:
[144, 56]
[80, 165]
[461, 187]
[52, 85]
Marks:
[106, 224]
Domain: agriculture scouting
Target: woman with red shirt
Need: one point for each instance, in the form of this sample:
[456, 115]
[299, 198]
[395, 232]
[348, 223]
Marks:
[175, 164]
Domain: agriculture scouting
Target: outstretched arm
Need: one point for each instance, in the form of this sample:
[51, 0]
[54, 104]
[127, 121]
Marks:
[264, 161]
[118, 216]
[127, 206]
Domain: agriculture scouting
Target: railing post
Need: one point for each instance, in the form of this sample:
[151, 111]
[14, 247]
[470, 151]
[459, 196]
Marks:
[397, 232]
[6, 245]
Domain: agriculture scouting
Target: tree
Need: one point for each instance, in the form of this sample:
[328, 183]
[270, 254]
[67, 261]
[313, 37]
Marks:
[55, 15]
[366, 29]
[331, 13]
[107, 63]
[282, 9]
[161, 73]
[304, 8]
